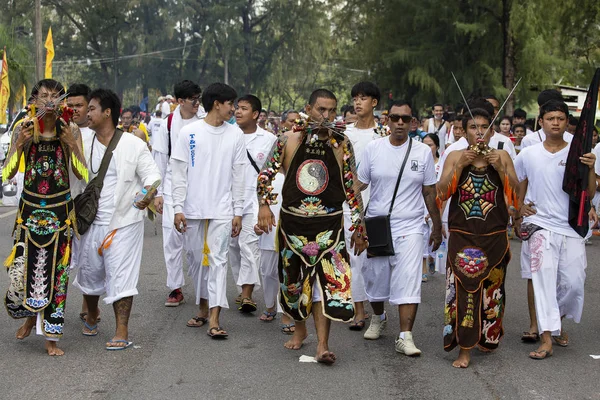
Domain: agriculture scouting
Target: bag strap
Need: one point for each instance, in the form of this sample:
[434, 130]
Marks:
[169, 122]
[400, 175]
[99, 179]
[253, 162]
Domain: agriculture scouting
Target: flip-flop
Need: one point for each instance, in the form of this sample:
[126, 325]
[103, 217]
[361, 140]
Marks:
[357, 325]
[562, 340]
[212, 333]
[287, 328]
[127, 345]
[269, 316]
[200, 321]
[247, 305]
[540, 354]
[530, 337]
[91, 329]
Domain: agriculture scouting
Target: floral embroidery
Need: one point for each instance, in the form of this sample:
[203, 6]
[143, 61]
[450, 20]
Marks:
[43, 187]
[43, 222]
[311, 206]
[39, 293]
[471, 261]
[311, 249]
[536, 251]
[338, 276]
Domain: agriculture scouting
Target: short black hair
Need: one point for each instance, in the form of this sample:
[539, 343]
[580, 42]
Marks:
[186, 89]
[514, 128]
[158, 113]
[128, 110]
[50, 84]
[554, 105]
[217, 92]
[520, 113]
[573, 120]
[108, 99]
[436, 141]
[508, 118]
[254, 102]
[547, 95]
[477, 112]
[368, 89]
[321, 94]
[491, 96]
[349, 109]
[479, 102]
[437, 105]
[79, 89]
[399, 103]
[285, 114]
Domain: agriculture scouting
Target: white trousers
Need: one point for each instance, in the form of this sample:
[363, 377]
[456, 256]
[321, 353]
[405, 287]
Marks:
[270, 276]
[244, 254]
[396, 278]
[356, 264]
[116, 271]
[172, 249]
[210, 282]
[558, 264]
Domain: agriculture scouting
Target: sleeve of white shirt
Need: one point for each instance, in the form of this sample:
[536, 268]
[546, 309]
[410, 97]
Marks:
[161, 161]
[429, 177]
[364, 166]
[520, 166]
[160, 139]
[510, 149]
[239, 168]
[596, 151]
[146, 168]
[179, 164]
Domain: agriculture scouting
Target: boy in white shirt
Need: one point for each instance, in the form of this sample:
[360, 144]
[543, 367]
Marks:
[208, 164]
[557, 258]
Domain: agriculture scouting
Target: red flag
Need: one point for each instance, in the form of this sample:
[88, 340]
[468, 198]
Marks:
[575, 182]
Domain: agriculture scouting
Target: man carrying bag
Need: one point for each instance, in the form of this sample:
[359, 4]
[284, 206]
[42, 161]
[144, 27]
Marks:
[401, 175]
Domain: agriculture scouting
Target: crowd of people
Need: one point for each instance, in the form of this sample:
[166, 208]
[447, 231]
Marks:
[328, 212]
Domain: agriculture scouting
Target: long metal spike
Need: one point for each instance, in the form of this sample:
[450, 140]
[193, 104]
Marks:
[502, 107]
[463, 96]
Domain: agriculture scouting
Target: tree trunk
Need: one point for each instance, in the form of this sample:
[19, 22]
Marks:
[509, 68]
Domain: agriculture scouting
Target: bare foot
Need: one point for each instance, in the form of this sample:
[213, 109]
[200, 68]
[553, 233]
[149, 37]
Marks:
[52, 349]
[25, 329]
[463, 360]
[327, 358]
[295, 343]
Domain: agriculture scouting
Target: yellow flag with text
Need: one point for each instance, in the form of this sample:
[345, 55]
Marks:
[49, 54]
[4, 89]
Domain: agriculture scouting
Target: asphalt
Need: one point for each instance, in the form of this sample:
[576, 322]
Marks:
[172, 361]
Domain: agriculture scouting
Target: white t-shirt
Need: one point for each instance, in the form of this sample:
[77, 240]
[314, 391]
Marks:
[442, 133]
[153, 127]
[259, 145]
[213, 155]
[360, 138]
[508, 146]
[380, 166]
[545, 173]
[165, 109]
[106, 203]
[539, 136]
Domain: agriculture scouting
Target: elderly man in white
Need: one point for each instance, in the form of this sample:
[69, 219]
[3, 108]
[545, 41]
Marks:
[111, 250]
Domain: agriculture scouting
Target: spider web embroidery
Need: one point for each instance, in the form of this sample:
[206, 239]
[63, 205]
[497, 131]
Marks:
[477, 196]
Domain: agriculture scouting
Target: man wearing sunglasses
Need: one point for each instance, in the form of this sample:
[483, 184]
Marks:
[188, 100]
[397, 278]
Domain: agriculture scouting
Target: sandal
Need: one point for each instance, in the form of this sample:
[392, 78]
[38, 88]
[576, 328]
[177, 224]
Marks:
[91, 330]
[357, 325]
[540, 354]
[424, 278]
[288, 329]
[196, 322]
[268, 316]
[530, 337]
[247, 305]
[562, 340]
[217, 333]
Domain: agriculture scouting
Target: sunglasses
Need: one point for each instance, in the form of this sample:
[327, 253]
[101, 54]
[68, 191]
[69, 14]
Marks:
[194, 100]
[405, 118]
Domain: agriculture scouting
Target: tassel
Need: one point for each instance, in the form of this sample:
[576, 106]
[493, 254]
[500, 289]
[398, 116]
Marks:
[11, 257]
[10, 166]
[80, 167]
[206, 250]
[67, 256]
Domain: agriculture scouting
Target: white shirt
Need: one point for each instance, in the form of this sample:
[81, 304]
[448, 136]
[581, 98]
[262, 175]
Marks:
[596, 151]
[259, 145]
[165, 109]
[508, 146]
[153, 127]
[443, 130]
[539, 136]
[545, 172]
[208, 165]
[106, 203]
[380, 166]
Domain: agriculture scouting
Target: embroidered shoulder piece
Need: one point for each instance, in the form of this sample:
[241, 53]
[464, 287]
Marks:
[353, 198]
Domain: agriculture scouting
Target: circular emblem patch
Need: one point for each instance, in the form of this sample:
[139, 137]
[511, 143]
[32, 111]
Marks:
[312, 177]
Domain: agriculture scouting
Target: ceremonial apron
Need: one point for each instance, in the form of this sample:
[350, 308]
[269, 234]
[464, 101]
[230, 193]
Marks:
[41, 255]
[478, 253]
[311, 236]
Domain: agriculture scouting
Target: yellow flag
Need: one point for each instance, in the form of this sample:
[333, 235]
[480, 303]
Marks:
[24, 96]
[49, 54]
[4, 89]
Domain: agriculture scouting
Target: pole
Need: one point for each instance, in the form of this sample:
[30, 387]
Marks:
[226, 72]
[39, 57]
[115, 70]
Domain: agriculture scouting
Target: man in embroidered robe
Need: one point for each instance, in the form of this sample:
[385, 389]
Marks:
[314, 272]
[479, 182]
[38, 265]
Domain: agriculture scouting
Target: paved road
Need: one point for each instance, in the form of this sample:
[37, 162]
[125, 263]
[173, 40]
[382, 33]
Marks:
[173, 361]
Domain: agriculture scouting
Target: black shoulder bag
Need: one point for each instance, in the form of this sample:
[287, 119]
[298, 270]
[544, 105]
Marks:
[86, 204]
[379, 230]
[253, 162]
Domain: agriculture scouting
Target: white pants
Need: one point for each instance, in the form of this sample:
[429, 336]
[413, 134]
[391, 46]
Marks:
[172, 248]
[356, 264]
[558, 264]
[396, 278]
[244, 254]
[525, 260]
[270, 277]
[210, 282]
[117, 270]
